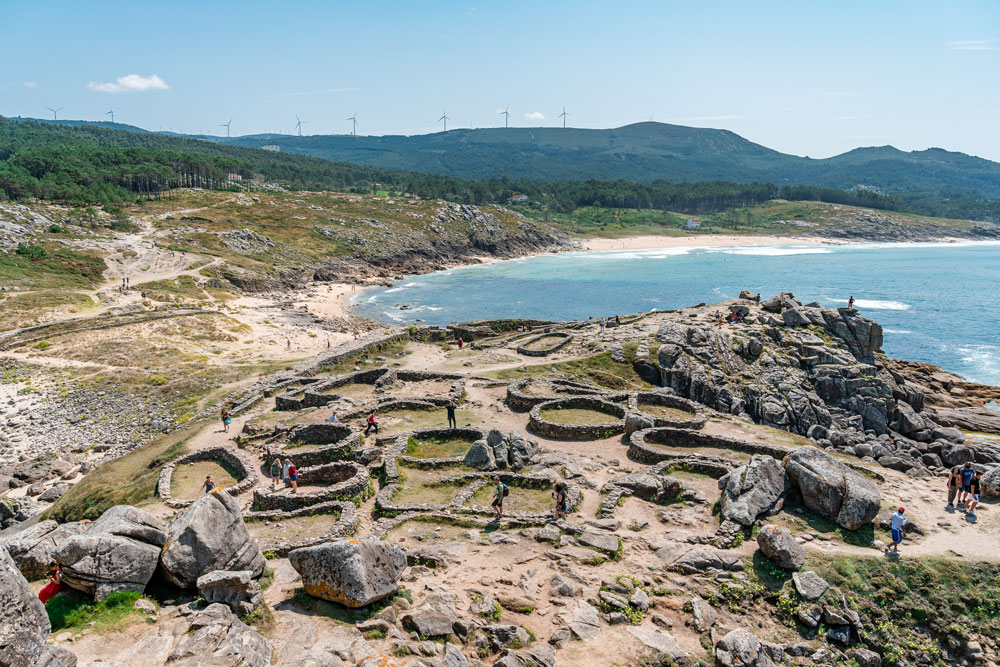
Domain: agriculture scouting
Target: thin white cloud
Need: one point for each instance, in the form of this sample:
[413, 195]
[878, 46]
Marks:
[131, 83]
[973, 45]
[535, 115]
[30, 84]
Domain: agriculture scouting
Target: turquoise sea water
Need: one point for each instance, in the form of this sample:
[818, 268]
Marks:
[938, 302]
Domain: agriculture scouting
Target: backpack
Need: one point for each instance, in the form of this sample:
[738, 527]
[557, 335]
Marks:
[506, 490]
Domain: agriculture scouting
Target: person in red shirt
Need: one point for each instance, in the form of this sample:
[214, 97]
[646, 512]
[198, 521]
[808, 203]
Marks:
[371, 424]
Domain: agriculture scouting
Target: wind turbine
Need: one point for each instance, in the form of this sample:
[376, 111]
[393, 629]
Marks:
[112, 114]
[298, 125]
[563, 116]
[506, 115]
[55, 112]
[444, 118]
[226, 125]
[354, 119]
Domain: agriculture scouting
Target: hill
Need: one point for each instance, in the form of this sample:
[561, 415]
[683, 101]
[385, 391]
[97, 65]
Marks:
[643, 152]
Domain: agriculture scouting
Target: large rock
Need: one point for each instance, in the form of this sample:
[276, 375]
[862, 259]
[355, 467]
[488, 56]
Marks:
[753, 489]
[353, 572]
[238, 590]
[521, 451]
[118, 552]
[32, 548]
[701, 559]
[810, 585]
[990, 482]
[660, 641]
[831, 488]
[210, 535]
[779, 545]
[739, 648]
[584, 621]
[428, 622]
[24, 625]
[216, 637]
[480, 456]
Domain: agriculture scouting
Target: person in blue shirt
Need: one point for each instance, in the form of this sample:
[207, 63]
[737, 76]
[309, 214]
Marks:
[897, 528]
[967, 472]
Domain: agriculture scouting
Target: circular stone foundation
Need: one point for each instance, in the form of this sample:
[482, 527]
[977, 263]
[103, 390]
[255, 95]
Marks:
[342, 480]
[313, 444]
[240, 466]
[432, 444]
[667, 410]
[280, 532]
[529, 348]
[544, 419]
[643, 444]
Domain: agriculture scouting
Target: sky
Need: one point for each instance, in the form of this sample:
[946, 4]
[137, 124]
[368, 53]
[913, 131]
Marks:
[806, 78]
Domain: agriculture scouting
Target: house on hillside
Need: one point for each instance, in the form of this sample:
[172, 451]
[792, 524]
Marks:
[518, 198]
[234, 178]
[271, 147]
[693, 223]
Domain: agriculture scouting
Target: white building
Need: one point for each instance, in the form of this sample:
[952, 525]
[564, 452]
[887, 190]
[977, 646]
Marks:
[693, 223]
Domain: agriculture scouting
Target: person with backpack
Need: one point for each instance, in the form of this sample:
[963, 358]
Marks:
[954, 482]
[974, 494]
[275, 472]
[293, 477]
[967, 473]
[502, 492]
[371, 423]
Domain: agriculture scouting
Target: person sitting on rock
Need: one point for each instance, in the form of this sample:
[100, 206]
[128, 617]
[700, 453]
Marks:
[974, 493]
[897, 529]
[208, 485]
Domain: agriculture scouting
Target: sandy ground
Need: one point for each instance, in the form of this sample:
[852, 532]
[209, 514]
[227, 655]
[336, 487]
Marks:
[699, 241]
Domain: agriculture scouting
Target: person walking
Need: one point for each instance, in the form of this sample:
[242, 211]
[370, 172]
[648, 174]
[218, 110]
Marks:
[275, 472]
[974, 494]
[967, 473]
[560, 495]
[208, 485]
[897, 529]
[226, 419]
[501, 492]
[954, 482]
[293, 477]
[284, 471]
[371, 423]
[452, 422]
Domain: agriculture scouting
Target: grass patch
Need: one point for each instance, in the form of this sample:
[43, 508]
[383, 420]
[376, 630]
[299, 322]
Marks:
[577, 416]
[424, 486]
[73, 611]
[130, 480]
[186, 482]
[437, 447]
[292, 530]
[57, 269]
[664, 411]
[400, 421]
[521, 499]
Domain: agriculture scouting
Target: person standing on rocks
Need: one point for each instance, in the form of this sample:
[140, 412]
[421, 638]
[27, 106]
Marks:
[954, 482]
[560, 495]
[967, 473]
[974, 493]
[371, 424]
[452, 422]
[497, 503]
[850, 302]
[897, 529]
[208, 485]
[275, 472]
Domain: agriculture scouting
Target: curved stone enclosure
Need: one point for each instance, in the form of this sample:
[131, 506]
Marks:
[559, 340]
[335, 442]
[554, 431]
[695, 421]
[342, 480]
[322, 393]
[346, 524]
[641, 444]
[235, 459]
[520, 400]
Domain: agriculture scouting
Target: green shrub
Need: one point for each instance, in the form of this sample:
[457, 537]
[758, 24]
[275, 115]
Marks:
[32, 251]
[70, 610]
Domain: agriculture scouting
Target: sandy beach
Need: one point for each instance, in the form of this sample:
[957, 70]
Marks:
[693, 241]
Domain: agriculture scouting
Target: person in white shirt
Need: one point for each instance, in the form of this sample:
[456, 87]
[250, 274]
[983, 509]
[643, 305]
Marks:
[897, 528]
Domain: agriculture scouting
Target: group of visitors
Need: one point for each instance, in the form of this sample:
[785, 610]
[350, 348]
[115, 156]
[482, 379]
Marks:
[501, 491]
[731, 318]
[963, 483]
[286, 472]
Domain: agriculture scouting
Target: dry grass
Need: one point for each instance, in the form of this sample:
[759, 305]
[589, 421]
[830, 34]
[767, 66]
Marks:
[521, 499]
[292, 530]
[577, 416]
[188, 478]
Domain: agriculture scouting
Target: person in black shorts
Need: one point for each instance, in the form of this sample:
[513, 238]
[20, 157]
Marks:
[974, 494]
[560, 495]
[497, 503]
[967, 474]
[452, 422]
[371, 424]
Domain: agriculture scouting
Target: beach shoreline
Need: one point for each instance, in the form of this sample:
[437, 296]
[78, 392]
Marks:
[649, 242]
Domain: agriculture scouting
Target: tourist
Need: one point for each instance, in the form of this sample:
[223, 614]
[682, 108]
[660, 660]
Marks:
[897, 528]
[602, 324]
[974, 493]
[618, 321]
[293, 477]
[371, 423]
[850, 302]
[275, 472]
[757, 298]
[954, 481]
[284, 471]
[208, 485]
[967, 472]
[460, 342]
[452, 422]
[333, 417]
[288, 343]
[502, 492]
[226, 420]
[718, 318]
[560, 496]
[55, 585]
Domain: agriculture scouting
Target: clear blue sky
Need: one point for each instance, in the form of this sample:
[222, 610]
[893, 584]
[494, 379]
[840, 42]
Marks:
[809, 78]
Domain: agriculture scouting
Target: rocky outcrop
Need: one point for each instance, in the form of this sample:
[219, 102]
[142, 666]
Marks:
[831, 488]
[778, 544]
[990, 482]
[210, 535]
[24, 625]
[499, 450]
[118, 552]
[756, 488]
[739, 648]
[353, 572]
[237, 590]
[217, 637]
[32, 548]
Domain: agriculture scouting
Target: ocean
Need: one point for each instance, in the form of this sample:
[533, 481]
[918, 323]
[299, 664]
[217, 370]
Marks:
[937, 302]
